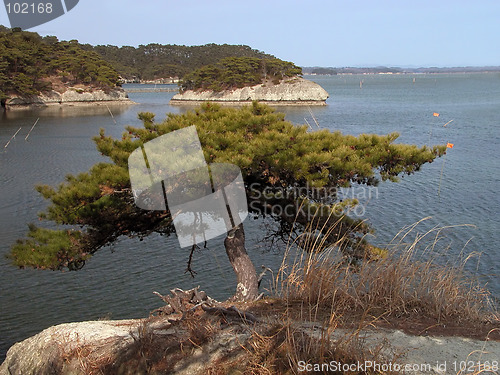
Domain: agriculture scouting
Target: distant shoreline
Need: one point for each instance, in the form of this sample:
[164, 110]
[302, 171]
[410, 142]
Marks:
[317, 70]
[394, 74]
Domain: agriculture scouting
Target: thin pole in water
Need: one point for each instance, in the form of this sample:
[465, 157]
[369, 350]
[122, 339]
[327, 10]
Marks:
[18, 130]
[109, 110]
[307, 122]
[314, 118]
[36, 122]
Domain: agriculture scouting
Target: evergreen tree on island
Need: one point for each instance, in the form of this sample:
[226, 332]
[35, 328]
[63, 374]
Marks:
[235, 72]
[274, 156]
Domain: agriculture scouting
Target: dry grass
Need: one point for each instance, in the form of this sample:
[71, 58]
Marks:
[88, 358]
[400, 284]
[158, 353]
[288, 348]
[152, 352]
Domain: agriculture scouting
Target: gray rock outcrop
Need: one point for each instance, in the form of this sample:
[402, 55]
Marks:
[295, 91]
[72, 96]
[59, 349]
[92, 347]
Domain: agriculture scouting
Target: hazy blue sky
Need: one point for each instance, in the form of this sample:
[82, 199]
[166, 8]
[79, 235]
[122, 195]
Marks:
[324, 33]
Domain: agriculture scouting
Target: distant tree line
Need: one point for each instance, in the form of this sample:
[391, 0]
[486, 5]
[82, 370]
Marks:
[29, 64]
[155, 61]
[234, 72]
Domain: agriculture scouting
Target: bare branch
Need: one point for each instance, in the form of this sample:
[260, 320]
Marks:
[190, 261]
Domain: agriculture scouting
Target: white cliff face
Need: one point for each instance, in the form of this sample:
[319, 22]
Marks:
[290, 91]
[71, 96]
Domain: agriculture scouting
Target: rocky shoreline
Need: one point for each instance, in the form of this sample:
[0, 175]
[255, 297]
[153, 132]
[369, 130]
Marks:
[194, 334]
[293, 91]
[73, 96]
[73, 348]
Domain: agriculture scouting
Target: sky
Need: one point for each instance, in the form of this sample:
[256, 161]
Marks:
[336, 33]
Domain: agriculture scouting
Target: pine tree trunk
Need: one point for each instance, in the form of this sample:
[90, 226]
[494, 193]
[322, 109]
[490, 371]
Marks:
[247, 288]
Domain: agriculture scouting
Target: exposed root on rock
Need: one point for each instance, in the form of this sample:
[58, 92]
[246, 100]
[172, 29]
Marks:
[182, 302]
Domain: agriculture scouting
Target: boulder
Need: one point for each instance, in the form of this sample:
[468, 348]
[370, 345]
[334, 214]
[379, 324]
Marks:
[60, 349]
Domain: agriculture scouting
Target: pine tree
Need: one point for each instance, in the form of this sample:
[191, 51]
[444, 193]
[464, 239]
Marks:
[276, 158]
[235, 72]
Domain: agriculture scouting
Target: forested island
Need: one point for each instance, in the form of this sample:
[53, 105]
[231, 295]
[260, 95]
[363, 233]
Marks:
[245, 79]
[41, 70]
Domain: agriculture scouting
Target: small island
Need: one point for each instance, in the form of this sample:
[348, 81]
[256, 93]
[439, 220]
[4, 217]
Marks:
[42, 71]
[240, 80]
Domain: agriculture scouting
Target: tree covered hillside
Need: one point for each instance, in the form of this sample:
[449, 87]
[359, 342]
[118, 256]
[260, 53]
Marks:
[154, 60]
[30, 64]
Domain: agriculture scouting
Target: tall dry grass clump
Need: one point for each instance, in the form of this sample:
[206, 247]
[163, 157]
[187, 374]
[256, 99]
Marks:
[405, 279]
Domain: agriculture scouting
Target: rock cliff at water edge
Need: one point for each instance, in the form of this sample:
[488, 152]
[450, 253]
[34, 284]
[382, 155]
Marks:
[295, 91]
[72, 96]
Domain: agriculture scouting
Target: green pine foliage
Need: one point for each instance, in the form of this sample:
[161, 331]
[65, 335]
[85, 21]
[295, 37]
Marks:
[276, 158]
[235, 72]
[50, 249]
[30, 64]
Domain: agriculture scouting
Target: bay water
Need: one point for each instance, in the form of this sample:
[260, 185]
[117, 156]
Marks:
[458, 191]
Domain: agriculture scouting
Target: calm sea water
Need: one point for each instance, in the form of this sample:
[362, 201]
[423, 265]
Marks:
[118, 282]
